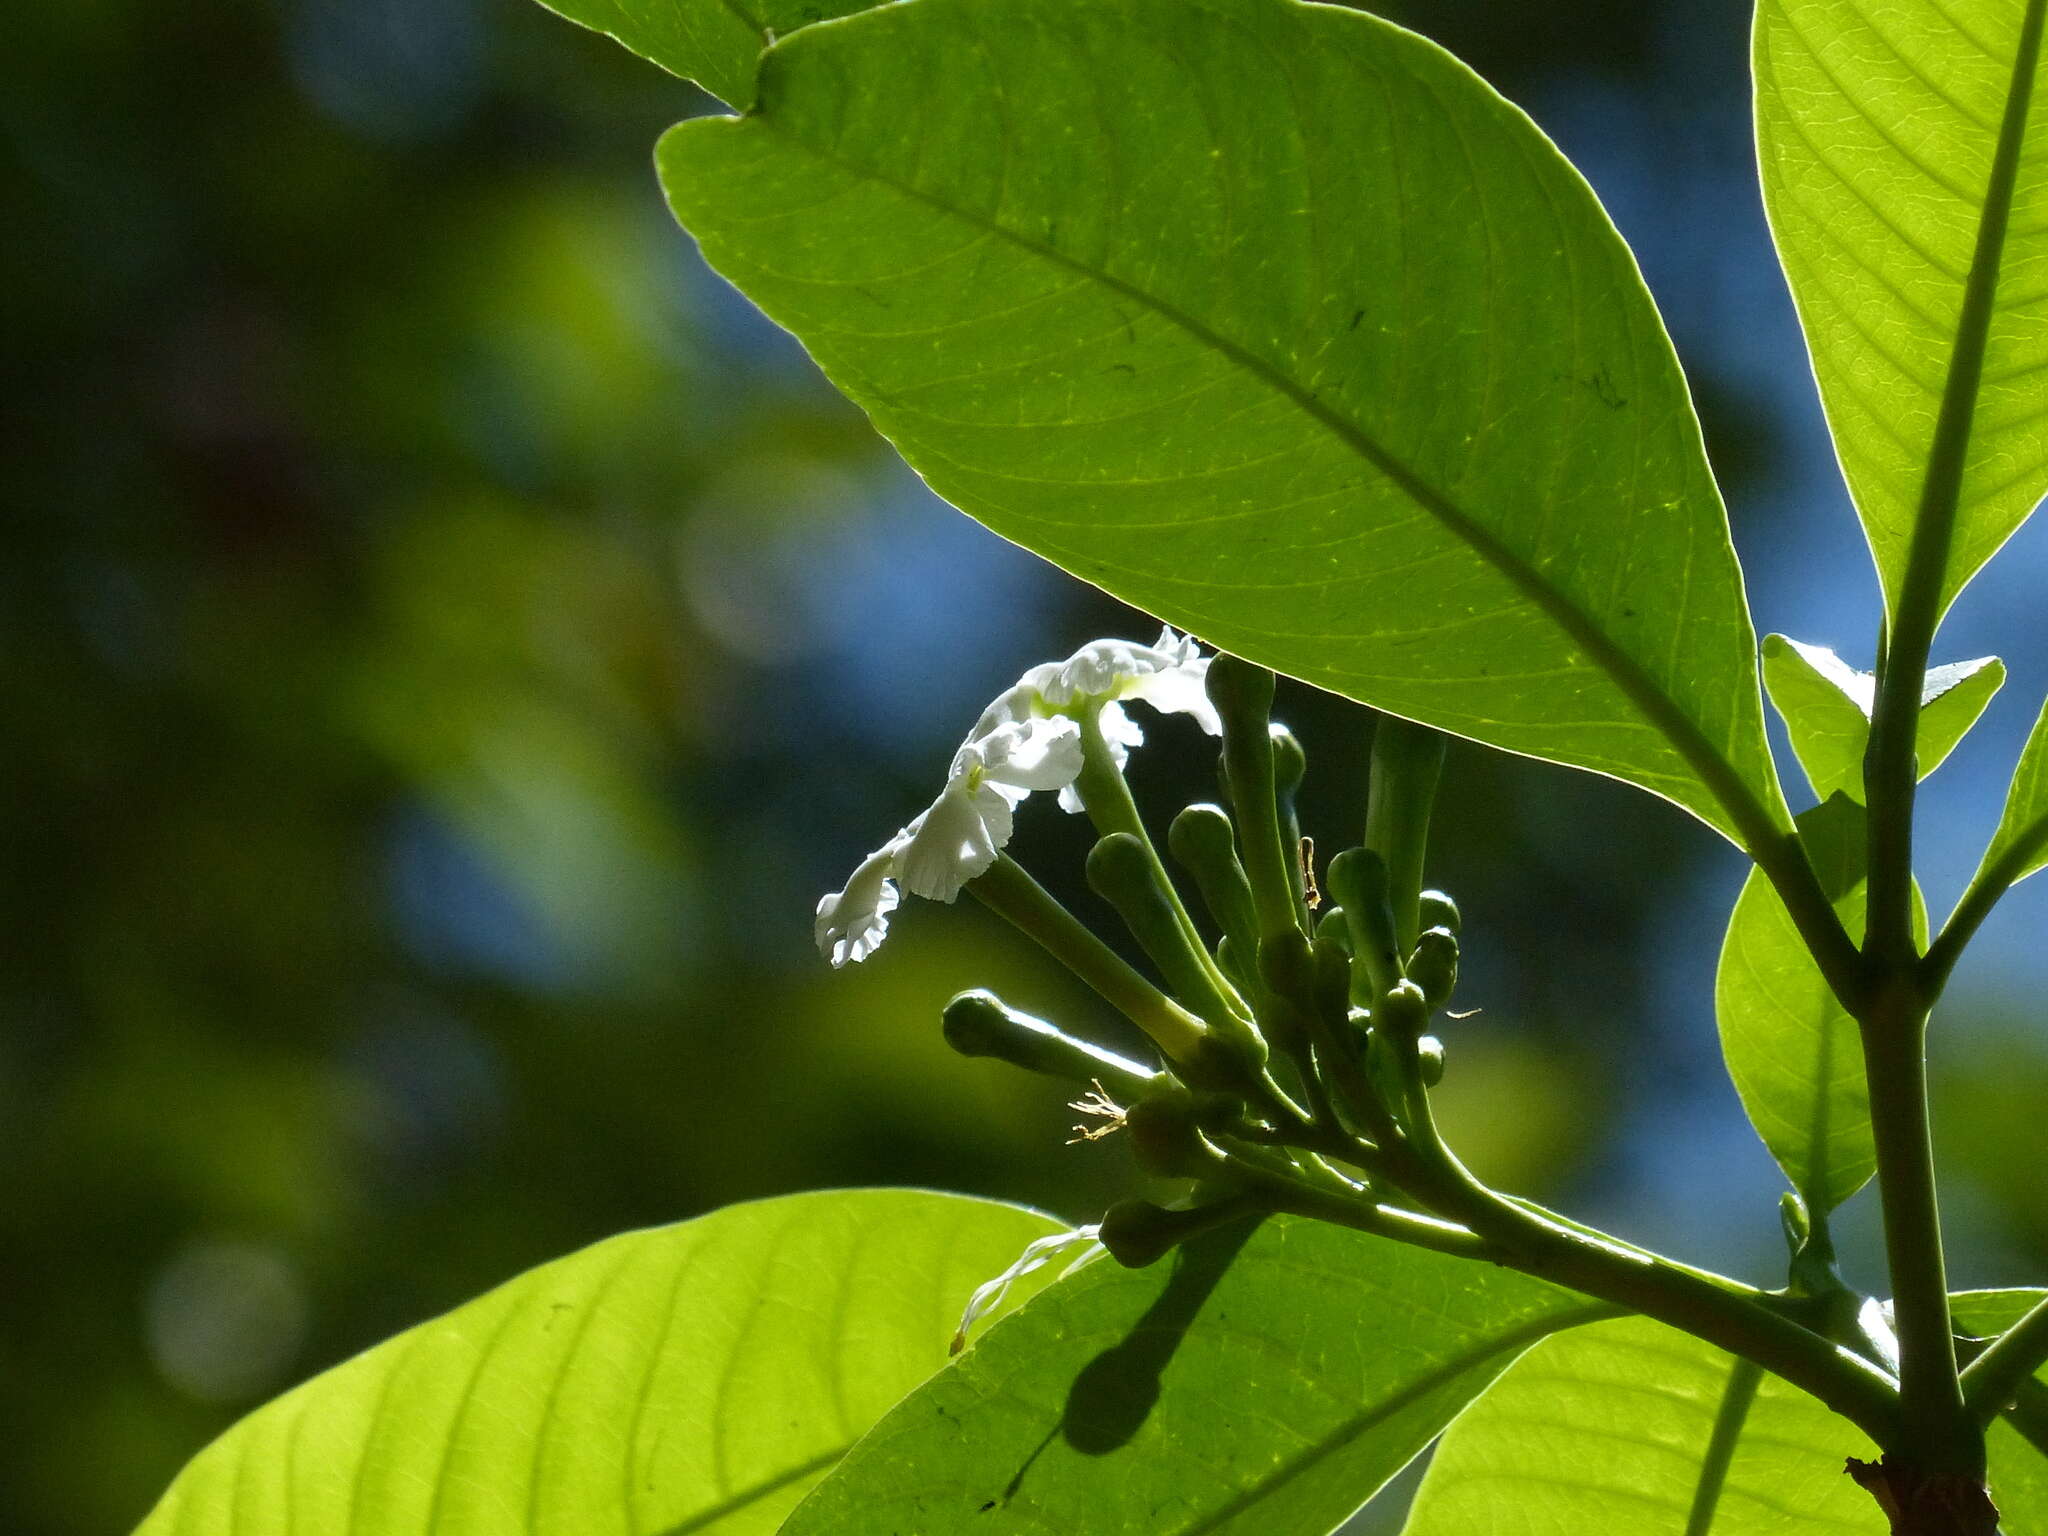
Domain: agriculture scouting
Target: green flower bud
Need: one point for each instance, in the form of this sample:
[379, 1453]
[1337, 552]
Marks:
[1290, 766]
[1358, 879]
[1434, 965]
[1229, 961]
[1243, 696]
[1290, 762]
[1793, 1218]
[1332, 978]
[1204, 843]
[1439, 911]
[1429, 1060]
[1333, 927]
[1166, 1136]
[1241, 691]
[979, 1023]
[1122, 872]
[1286, 964]
[1138, 1233]
[1227, 1062]
[1402, 1014]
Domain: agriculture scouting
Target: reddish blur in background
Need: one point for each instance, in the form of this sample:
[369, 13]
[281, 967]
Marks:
[448, 642]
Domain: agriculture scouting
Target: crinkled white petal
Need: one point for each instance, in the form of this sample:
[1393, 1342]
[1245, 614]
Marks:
[853, 922]
[953, 841]
[1022, 700]
[1180, 690]
[1031, 754]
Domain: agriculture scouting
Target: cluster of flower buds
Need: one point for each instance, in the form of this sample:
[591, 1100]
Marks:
[1294, 1053]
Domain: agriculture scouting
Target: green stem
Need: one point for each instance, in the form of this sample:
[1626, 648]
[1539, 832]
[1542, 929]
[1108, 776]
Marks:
[1407, 760]
[1723, 1312]
[1933, 1423]
[1008, 890]
[1938, 1433]
[1112, 808]
[1993, 1379]
[1890, 767]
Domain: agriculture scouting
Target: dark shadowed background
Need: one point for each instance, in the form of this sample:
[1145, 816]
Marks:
[448, 642]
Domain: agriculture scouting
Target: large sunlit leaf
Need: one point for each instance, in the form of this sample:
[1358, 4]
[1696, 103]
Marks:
[2019, 1465]
[1917, 253]
[1275, 320]
[694, 1378]
[716, 43]
[1263, 1380]
[2021, 840]
[1826, 706]
[1794, 1053]
[1630, 1426]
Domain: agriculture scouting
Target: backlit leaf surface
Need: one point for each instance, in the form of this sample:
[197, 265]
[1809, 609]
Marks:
[1254, 1389]
[693, 1378]
[1275, 320]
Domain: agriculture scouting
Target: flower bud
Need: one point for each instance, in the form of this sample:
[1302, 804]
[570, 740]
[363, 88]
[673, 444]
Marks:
[1138, 1233]
[1439, 911]
[1429, 1060]
[1241, 691]
[1333, 927]
[1434, 965]
[1166, 1135]
[1358, 880]
[1204, 843]
[1332, 978]
[1122, 871]
[979, 1023]
[1287, 966]
[1290, 762]
[1401, 1014]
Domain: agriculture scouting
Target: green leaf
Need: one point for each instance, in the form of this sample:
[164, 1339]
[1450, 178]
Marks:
[1264, 1379]
[1632, 1426]
[716, 43]
[1917, 250]
[2021, 841]
[2019, 1467]
[1952, 699]
[1275, 320]
[1795, 1055]
[1826, 706]
[693, 1378]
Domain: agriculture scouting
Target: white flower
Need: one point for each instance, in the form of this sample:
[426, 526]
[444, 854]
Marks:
[956, 837]
[1170, 674]
[1028, 739]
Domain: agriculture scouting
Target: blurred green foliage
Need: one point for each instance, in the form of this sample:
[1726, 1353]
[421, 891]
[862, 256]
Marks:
[448, 643]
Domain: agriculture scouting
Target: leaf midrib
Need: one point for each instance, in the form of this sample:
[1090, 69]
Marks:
[1931, 550]
[1751, 817]
[1531, 1332]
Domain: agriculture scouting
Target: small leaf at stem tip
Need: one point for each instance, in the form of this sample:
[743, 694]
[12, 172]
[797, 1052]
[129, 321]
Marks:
[1826, 703]
[2022, 836]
